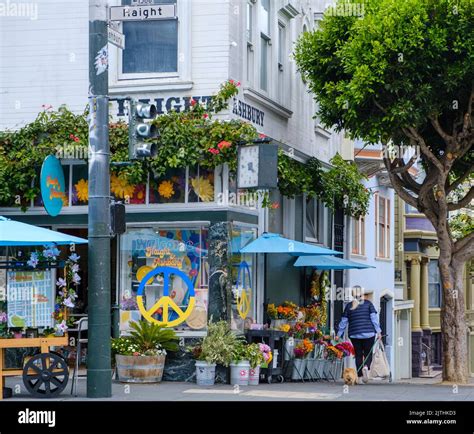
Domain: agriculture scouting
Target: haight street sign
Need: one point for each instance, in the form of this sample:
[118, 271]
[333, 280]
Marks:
[142, 13]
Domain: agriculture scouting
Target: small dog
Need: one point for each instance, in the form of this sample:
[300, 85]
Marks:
[350, 376]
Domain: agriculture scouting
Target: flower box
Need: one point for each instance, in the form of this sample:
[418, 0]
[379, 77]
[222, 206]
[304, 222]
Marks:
[299, 367]
[140, 369]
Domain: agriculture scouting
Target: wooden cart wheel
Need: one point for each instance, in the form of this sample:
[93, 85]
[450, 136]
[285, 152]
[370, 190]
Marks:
[281, 378]
[45, 375]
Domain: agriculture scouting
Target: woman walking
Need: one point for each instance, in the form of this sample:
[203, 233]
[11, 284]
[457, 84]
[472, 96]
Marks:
[362, 319]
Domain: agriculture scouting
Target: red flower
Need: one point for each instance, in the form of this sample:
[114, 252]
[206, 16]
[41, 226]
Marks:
[231, 81]
[262, 136]
[223, 145]
[275, 205]
[238, 84]
[205, 115]
[76, 139]
[193, 102]
[214, 151]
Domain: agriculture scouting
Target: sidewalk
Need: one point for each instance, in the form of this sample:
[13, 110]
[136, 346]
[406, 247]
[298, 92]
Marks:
[288, 391]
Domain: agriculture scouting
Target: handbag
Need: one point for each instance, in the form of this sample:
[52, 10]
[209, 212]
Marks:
[379, 368]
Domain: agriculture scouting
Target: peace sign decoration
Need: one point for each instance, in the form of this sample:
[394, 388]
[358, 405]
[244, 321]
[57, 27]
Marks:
[245, 297]
[166, 302]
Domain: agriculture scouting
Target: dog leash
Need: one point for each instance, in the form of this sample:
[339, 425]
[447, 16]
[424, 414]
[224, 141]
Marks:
[370, 353]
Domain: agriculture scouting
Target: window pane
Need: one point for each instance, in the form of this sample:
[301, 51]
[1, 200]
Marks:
[264, 64]
[249, 25]
[182, 248]
[281, 44]
[122, 190]
[169, 188]
[381, 210]
[152, 46]
[355, 240]
[243, 278]
[80, 193]
[264, 21]
[201, 185]
[381, 241]
[311, 227]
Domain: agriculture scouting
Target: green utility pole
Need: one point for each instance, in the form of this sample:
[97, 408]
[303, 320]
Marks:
[99, 374]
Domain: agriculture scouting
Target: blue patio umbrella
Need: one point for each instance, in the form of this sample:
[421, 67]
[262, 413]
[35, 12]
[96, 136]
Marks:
[14, 233]
[322, 262]
[275, 243]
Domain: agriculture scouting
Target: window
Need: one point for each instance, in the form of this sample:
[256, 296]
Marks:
[434, 286]
[152, 46]
[250, 48]
[281, 60]
[181, 247]
[358, 236]
[382, 226]
[314, 221]
[265, 49]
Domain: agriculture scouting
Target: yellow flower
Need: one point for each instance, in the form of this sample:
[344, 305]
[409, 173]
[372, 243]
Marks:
[285, 328]
[120, 187]
[203, 188]
[82, 190]
[165, 189]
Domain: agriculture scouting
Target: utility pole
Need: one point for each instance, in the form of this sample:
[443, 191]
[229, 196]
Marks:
[99, 374]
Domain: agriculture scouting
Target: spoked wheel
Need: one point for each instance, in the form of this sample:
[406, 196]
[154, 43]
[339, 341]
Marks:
[45, 375]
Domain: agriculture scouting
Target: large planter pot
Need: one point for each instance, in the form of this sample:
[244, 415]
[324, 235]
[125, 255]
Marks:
[239, 373]
[205, 373]
[334, 369]
[140, 369]
[254, 376]
[299, 367]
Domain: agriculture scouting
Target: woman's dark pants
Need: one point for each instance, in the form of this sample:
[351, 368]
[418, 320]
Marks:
[362, 349]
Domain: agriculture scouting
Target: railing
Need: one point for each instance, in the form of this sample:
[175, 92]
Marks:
[427, 352]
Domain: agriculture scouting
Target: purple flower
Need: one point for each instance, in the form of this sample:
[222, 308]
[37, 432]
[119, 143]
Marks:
[33, 262]
[75, 268]
[68, 302]
[3, 317]
[61, 283]
[76, 278]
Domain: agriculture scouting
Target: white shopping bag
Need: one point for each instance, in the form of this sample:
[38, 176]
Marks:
[379, 368]
[349, 362]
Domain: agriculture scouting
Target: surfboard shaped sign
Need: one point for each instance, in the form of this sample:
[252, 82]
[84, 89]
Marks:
[53, 187]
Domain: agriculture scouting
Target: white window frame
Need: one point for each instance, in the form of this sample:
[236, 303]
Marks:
[268, 38]
[250, 43]
[318, 218]
[358, 232]
[385, 254]
[122, 80]
[283, 87]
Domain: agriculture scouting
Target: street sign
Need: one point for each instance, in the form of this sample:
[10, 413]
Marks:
[142, 13]
[116, 38]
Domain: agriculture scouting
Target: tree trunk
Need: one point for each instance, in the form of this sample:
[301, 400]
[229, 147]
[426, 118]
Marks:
[453, 319]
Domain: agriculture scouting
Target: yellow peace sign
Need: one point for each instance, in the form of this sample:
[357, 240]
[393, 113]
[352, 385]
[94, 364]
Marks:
[245, 299]
[243, 303]
[166, 302]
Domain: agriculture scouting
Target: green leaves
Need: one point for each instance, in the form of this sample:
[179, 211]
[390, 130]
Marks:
[148, 336]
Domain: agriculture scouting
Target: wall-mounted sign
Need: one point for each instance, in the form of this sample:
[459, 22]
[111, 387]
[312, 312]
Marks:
[244, 288]
[165, 306]
[248, 112]
[142, 13]
[53, 188]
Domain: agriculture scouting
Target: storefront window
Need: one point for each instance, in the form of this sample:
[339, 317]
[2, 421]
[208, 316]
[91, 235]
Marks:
[122, 190]
[169, 188]
[244, 288]
[184, 250]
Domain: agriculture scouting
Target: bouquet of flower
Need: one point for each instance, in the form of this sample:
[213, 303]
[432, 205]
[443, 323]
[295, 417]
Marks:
[303, 349]
[287, 310]
[333, 353]
[266, 353]
[346, 348]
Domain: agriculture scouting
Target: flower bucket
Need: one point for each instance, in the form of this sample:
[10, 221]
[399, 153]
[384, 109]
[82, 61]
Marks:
[254, 376]
[239, 373]
[337, 369]
[299, 366]
[205, 373]
[309, 372]
[140, 369]
[277, 323]
[319, 369]
[288, 350]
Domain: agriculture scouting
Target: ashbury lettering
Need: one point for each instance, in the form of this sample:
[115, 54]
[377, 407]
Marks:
[148, 12]
[246, 111]
[37, 417]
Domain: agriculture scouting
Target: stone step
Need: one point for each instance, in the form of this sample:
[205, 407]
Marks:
[430, 374]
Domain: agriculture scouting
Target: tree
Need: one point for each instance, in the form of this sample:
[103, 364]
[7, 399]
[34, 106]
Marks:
[401, 73]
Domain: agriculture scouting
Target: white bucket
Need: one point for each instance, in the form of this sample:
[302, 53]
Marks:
[254, 376]
[205, 373]
[239, 373]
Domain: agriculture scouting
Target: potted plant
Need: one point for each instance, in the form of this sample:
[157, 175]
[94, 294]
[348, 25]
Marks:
[218, 347]
[301, 351]
[140, 357]
[240, 366]
[256, 358]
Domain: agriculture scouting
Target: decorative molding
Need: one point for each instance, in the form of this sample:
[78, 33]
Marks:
[289, 10]
[268, 103]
